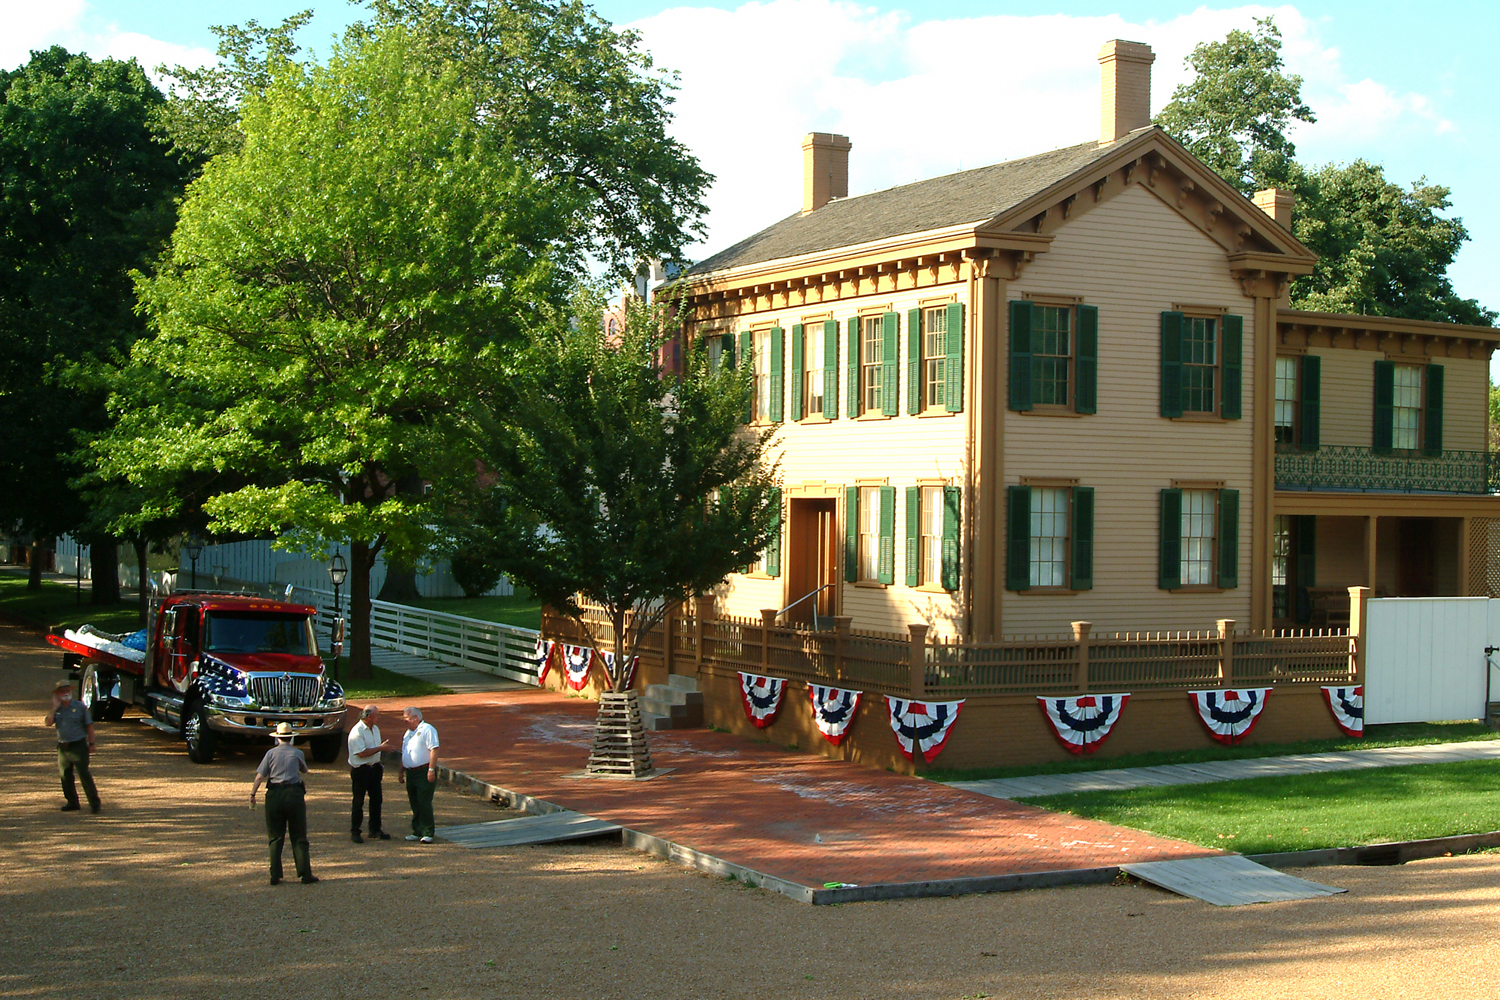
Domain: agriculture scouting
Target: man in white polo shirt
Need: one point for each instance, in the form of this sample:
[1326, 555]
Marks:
[365, 772]
[419, 760]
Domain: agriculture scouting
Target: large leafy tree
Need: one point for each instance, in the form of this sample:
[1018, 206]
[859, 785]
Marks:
[625, 486]
[86, 195]
[336, 303]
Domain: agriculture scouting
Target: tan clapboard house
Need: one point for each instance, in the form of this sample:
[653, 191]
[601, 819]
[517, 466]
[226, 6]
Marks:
[1068, 388]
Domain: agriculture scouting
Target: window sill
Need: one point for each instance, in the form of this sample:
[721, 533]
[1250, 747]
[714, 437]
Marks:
[1051, 591]
[815, 419]
[871, 584]
[932, 588]
[758, 575]
[1199, 590]
[1203, 418]
[934, 411]
[1050, 411]
[872, 416]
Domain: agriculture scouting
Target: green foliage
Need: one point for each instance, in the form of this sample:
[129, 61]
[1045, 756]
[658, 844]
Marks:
[1494, 423]
[56, 605]
[1235, 112]
[623, 484]
[519, 609]
[1381, 250]
[475, 573]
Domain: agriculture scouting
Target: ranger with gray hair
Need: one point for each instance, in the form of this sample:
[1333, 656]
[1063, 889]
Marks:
[419, 759]
[365, 773]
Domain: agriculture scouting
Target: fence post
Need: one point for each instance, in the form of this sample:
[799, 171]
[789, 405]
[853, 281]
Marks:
[703, 610]
[666, 637]
[767, 622]
[1226, 651]
[918, 657]
[841, 625]
[1359, 628]
[1081, 636]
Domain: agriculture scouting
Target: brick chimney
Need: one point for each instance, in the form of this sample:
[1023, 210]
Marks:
[825, 169]
[1125, 88]
[1278, 204]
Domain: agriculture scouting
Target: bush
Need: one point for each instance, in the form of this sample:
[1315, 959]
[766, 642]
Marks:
[475, 574]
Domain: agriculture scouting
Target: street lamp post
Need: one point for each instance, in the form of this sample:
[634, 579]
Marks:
[338, 572]
[194, 549]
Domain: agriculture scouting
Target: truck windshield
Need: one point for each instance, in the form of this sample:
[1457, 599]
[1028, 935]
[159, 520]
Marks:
[258, 632]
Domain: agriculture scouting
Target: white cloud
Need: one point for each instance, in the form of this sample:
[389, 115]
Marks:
[30, 26]
[923, 98]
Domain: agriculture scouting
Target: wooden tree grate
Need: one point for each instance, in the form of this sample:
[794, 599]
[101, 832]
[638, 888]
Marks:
[620, 748]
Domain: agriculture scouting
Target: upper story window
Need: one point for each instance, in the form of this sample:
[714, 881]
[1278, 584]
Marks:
[716, 351]
[1408, 408]
[761, 361]
[1054, 357]
[1201, 364]
[814, 349]
[933, 368]
[871, 363]
[1286, 399]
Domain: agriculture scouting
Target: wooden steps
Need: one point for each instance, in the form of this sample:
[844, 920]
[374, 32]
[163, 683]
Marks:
[620, 749]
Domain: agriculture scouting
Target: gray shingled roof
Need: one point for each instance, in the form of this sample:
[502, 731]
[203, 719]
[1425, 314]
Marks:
[968, 196]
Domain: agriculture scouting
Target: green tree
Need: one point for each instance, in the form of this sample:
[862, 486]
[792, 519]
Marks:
[1234, 114]
[625, 486]
[87, 195]
[336, 303]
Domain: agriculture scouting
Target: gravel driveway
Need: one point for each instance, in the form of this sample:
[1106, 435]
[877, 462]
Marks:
[164, 894]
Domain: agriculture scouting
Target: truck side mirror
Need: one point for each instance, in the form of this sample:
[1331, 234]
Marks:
[338, 637]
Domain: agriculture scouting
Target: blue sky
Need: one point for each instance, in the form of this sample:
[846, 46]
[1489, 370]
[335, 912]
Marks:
[1407, 85]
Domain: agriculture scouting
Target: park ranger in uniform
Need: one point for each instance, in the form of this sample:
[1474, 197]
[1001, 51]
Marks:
[286, 803]
[75, 739]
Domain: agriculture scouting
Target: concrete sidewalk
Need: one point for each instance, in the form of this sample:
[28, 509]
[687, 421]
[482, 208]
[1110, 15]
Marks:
[1229, 770]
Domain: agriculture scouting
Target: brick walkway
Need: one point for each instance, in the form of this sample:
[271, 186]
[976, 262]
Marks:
[794, 816]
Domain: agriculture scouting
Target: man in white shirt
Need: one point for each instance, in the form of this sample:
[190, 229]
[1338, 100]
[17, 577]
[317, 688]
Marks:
[365, 772]
[419, 761]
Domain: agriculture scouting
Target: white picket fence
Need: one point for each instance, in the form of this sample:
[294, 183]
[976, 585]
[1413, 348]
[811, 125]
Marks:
[1425, 659]
[74, 559]
[257, 562]
[488, 647]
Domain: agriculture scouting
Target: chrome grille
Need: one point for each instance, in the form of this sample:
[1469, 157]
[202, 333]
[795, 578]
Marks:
[286, 690]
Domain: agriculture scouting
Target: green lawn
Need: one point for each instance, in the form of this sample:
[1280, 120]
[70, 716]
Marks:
[521, 609]
[1306, 811]
[1405, 734]
[385, 684]
[56, 604]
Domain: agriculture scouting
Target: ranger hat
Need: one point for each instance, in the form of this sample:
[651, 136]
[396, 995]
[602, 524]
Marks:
[283, 731]
[63, 685]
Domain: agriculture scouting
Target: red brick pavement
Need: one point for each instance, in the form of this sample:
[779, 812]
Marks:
[796, 816]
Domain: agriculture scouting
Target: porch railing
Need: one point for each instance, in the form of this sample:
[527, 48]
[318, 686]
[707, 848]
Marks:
[1347, 467]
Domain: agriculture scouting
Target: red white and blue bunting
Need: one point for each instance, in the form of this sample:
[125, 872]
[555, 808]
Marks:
[576, 661]
[609, 668]
[762, 697]
[1230, 715]
[922, 726]
[1082, 722]
[833, 710]
[543, 658]
[1348, 707]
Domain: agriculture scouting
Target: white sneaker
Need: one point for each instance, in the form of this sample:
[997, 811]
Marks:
[426, 840]
[411, 836]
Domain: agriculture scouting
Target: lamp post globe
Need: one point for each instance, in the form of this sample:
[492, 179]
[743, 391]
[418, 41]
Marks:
[338, 572]
[194, 549]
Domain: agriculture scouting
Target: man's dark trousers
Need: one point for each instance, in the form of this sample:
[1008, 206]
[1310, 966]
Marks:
[75, 757]
[286, 808]
[419, 789]
[366, 780]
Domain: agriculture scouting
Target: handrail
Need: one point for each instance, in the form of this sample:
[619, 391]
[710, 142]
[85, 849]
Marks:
[804, 597]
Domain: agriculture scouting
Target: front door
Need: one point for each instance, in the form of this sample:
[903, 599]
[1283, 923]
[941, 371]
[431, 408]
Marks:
[1414, 561]
[812, 561]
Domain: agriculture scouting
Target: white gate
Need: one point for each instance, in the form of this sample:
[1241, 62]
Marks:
[1425, 659]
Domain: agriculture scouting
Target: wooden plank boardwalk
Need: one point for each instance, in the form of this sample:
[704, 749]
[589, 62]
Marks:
[1228, 880]
[545, 829]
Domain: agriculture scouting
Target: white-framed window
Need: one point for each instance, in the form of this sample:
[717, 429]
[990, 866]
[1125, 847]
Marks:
[1406, 408]
[1052, 356]
[871, 365]
[761, 350]
[814, 348]
[1049, 536]
[1199, 536]
[1281, 558]
[934, 356]
[1200, 364]
[869, 532]
[1286, 399]
[930, 505]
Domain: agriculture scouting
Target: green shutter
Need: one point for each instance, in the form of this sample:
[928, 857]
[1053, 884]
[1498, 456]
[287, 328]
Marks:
[1018, 538]
[777, 369]
[851, 534]
[798, 363]
[855, 343]
[1086, 361]
[1312, 402]
[1171, 364]
[746, 359]
[1169, 557]
[831, 369]
[890, 360]
[1233, 348]
[1307, 564]
[953, 365]
[1022, 316]
[726, 350]
[1229, 539]
[1382, 432]
[913, 536]
[1432, 430]
[914, 386]
[773, 549]
[1083, 538]
[885, 565]
[952, 512]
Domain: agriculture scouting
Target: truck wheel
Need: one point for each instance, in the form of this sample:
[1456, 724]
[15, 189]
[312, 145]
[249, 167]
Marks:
[93, 691]
[325, 749]
[201, 740]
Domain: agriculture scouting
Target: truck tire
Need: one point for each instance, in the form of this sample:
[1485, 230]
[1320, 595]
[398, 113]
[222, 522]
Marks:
[93, 691]
[201, 740]
[325, 749]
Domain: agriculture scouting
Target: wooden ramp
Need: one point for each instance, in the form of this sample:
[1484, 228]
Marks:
[545, 829]
[1227, 880]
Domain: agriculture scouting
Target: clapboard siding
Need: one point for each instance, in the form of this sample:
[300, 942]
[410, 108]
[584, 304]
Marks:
[1348, 384]
[1133, 257]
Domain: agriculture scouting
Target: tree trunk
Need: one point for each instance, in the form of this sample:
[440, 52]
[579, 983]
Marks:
[104, 570]
[400, 585]
[34, 565]
[617, 682]
[360, 563]
[142, 574]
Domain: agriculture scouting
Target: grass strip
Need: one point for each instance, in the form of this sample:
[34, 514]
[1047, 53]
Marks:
[1306, 811]
[1403, 734]
[386, 684]
[520, 609]
[56, 604]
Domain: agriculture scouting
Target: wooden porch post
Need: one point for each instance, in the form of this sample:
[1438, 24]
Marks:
[918, 659]
[703, 610]
[1371, 525]
[1081, 636]
[1359, 628]
[1226, 650]
[767, 622]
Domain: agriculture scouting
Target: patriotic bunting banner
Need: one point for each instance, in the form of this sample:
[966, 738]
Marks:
[1230, 715]
[576, 661]
[1083, 722]
[762, 697]
[922, 726]
[609, 666]
[543, 659]
[1348, 707]
[833, 710]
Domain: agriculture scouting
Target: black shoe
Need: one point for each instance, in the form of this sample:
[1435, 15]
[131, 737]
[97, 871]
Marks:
[70, 807]
[94, 807]
[381, 834]
[275, 879]
[309, 879]
[356, 837]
